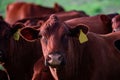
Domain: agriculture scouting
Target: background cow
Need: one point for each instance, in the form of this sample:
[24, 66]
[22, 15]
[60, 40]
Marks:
[99, 24]
[18, 54]
[20, 10]
[75, 53]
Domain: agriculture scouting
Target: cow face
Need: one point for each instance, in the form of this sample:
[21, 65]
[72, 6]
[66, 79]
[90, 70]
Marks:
[54, 40]
[55, 37]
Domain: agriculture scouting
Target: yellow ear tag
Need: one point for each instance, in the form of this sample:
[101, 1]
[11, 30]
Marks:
[82, 37]
[16, 35]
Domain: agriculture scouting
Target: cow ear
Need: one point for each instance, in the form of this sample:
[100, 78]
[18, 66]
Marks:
[57, 7]
[105, 19]
[80, 31]
[76, 30]
[29, 34]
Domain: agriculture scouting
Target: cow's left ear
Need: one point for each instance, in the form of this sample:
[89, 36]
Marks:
[29, 34]
[79, 31]
[58, 7]
[105, 19]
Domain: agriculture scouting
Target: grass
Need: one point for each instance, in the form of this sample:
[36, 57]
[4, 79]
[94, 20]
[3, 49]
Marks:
[91, 7]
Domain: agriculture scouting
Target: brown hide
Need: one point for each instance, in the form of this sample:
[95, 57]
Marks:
[20, 10]
[94, 59]
[99, 24]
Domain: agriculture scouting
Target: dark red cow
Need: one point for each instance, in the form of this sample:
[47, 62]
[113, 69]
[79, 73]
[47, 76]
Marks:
[116, 23]
[77, 54]
[99, 24]
[20, 10]
[18, 54]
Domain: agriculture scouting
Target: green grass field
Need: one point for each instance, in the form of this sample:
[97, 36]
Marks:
[91, 7]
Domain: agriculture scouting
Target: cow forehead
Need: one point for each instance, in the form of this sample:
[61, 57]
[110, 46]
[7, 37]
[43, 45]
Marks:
[54, 29]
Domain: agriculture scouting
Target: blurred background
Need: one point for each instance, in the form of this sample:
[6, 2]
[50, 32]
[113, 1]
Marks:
[91, 7]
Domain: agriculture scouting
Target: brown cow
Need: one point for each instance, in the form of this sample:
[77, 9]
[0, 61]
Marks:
[18, 55]
[20, 10]
[116, 23]
[18, 66]
[77, 54]
[99, 24]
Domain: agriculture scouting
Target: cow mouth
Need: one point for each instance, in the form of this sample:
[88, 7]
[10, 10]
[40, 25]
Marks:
[54, 65]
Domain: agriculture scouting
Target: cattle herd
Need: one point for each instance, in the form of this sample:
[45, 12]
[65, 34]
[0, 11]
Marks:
[43, 43]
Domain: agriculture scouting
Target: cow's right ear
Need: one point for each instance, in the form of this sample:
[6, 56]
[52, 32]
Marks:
[79, 31]
[29, 34]
[74, 31]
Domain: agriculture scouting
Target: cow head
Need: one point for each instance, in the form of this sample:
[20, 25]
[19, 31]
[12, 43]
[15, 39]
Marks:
[55, 38]
[116, 23]
[8, 33]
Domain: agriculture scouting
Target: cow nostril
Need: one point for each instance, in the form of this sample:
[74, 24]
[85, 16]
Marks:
[49, 58]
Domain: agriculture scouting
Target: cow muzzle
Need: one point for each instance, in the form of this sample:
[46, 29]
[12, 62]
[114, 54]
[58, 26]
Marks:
[54, 60]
